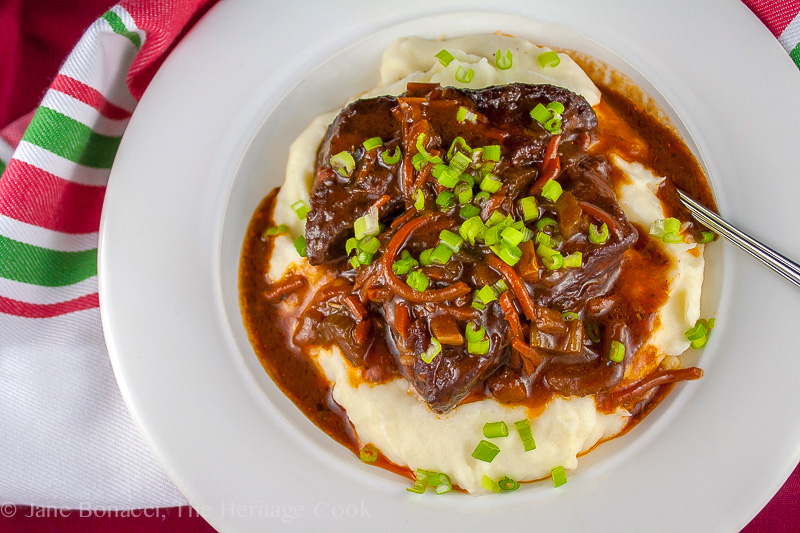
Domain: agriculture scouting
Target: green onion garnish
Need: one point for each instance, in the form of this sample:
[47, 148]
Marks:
[495, 218]
[598, 236]
[446, 199]
[500, 286]
[512, 236]
[559, 476]
[369, 244]
[671, 237]
[418, 162]
[343, 163]
[706, 236]
[525, 434]
[553, 261]
[662, 226]
[465, 115]
[440, 482]
[432, 351]
[451, 240]
[485, 451]
[425, 154]
[491, 153]
[573, 260]
[491, 183]
[508, 253]
[441, 254]
[492, 236]
[419, 200]
[459, 162]
[283, 228]
[507, 484]
[617, 352]
[480, 347]
[474, 332]
[374, 142]
[300, 245]
[367, 224]
[354, 262]
[425, 257]
[552, 190]
[549, 59]
[489, 484]
[545, 222]
[364, 258]
[698, 335]
[486, 294]
[369, 453]
[495, 430]
[464, 75]
[463, 191]
[447, 178]
[405, 265]
[469, 211]
[417, 280]
[420, 482]
[569, 316]
[530, 211]
[553, 125]
[503, 63]
[540, 114]
[459, 145]
[481, 197]
[472, 228]
[391, 159]
[300, 209]
[556, 107]
[444, 57]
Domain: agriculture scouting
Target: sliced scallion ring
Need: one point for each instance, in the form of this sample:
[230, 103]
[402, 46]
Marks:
[507, 484]
[503, 62]
[371, 143]
[369, 453]
[495, 430]
[598, 236]
[549, 59]
[433, 350]
[391, 159]
[343, 163]
[559, 476]
[485, 451]
[444, 57]
[464, 75]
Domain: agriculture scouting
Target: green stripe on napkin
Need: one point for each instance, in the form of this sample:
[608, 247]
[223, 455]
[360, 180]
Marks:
[40, 266]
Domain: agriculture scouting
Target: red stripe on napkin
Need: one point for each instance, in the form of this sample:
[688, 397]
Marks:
[34, 196]
[87, 95]
[775, 15]
[15, 307]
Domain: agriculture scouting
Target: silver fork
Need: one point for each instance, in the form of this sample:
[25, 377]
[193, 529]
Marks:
[777, 262]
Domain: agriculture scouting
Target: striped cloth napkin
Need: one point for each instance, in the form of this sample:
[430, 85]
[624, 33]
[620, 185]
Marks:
[66, 437]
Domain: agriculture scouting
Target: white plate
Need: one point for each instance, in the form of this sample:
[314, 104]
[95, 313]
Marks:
[209, 139]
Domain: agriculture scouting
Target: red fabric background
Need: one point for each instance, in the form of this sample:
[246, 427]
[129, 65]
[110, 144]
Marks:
[35, 37]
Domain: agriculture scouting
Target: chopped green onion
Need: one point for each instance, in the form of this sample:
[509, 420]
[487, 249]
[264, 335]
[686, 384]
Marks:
[553, 125]
[525, 434]
[507, 484]
[425, 257]
[419, 200]
[617, 352]
[553, 262]
[367, 224]
[364, 258]
[573, 260]
[530, 211]
[418, 162]
[598, 236]
[300, 245]
[486, 294]
[552, 190]
[440, 482]
[469, 211]
[417, 280]
[441, 254]
[350, 245]
[446, 199]
[485, 451]
[480, 347]
[706, 236]
[545, 240]
[432, 351]
[503, 63]
[512, 236]
[459, 144]
[663, 226]
[491, 152]
[300, 209]
[489, 484]
[354, 262]
[476, 303]
[495, 218]
[447, 178]
[545, 222]
[697, 332]
[464, 192]
[699, 343]
[549, 59]
[464, 75]
[495, 430]
[472, 228]
[369, 244]
[420, 482]
[451, 240]
[391, 159]
[671, 237]
[559, 476]
[343, 163]
[481, 197]
[492, 236]
[283, 228]
[421, 149]
[444, 57]
[459, 162]
[374, 142]
[541, 114]
[465, 115]
[509, 254]
[404, 266]
[369, 453]
[491, 183]
[556, 107]
[474, 332]
[569, 316]
[500, 286]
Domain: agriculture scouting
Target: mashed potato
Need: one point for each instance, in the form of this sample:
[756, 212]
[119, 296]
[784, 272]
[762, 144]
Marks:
[390, 415]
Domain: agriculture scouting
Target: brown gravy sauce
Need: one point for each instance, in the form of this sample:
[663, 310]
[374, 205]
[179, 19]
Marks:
[626, 128]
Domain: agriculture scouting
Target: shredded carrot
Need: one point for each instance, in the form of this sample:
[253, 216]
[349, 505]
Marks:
[354, 304]
[276, 292]
[636, 390]
[507, 304]
[529, 354]
[516, 284]
[601, 215]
